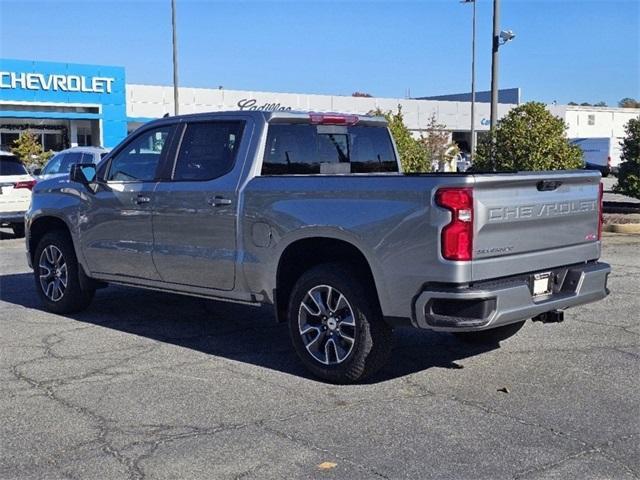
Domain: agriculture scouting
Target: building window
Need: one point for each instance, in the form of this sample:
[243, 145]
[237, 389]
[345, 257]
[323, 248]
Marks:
[50, 137]
[84, 137]
[7, 139]
[591, 119]
[52, 141]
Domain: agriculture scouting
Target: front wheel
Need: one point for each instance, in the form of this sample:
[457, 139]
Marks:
[336, 325]
[491, 336]
[57, 275]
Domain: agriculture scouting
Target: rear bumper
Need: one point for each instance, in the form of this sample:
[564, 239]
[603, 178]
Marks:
[491, 304]
[11, 217]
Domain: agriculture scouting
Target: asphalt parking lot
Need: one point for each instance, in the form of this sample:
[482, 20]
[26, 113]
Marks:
[150, 385]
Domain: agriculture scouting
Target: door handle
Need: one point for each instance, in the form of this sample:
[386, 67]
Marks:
[140, 199]
[218, 201]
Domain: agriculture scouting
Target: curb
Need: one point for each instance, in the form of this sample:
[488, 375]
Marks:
[622, 228]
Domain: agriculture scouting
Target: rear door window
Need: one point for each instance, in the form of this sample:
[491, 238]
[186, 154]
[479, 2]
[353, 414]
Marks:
[88, 157]
[207, 150]
[313, 149]
[10, 165]
[69, 159]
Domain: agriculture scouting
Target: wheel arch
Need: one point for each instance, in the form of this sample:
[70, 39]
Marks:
[296, 259]
[40, 226]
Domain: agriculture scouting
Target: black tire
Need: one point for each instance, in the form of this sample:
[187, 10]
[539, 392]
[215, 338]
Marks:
[372, 337]
[18, 229]
[492, 336]
[74, 298]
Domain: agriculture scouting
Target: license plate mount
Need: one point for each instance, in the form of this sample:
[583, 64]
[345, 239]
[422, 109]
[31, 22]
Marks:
[541, 284]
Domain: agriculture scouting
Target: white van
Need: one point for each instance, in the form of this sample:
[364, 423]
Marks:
[600, 153]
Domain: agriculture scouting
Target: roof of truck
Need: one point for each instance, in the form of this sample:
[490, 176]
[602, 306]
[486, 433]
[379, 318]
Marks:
[269, 116]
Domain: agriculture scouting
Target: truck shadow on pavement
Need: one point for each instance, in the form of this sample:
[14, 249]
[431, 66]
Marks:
[237, 332]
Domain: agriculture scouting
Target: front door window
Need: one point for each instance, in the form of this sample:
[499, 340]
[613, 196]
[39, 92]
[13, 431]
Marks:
[139, 160]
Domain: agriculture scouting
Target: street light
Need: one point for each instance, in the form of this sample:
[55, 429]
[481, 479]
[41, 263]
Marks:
[473, 81]
[175, 57]
[506, 36]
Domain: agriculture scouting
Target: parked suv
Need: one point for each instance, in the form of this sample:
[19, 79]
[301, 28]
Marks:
[310, 213]
[15, 192]
[61, 162]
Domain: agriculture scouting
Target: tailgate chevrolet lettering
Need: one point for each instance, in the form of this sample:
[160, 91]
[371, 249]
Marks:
[552, 209]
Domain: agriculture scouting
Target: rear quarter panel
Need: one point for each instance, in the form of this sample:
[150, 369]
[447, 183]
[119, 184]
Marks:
[387, 217]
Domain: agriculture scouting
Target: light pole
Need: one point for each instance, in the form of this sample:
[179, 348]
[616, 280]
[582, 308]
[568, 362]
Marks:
[175, 57]
[494, 64]
[499, 38]
[473, 81]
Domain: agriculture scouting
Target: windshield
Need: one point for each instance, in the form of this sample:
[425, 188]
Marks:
[62, 162]
[10, 165]
[53, 165]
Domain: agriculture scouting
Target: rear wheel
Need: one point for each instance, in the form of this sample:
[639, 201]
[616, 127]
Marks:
[336, 325]
[491, 336]
[57, 275]
[18, 229]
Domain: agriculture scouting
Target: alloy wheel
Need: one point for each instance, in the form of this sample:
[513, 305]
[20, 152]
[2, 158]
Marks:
[53, 273]
[327, 325]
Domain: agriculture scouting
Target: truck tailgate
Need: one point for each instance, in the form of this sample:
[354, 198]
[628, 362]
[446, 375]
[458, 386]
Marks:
[527, 222]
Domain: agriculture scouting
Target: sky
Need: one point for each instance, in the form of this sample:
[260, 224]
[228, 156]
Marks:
[580, 50]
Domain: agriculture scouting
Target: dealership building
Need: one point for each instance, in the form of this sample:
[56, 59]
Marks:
[68, 104]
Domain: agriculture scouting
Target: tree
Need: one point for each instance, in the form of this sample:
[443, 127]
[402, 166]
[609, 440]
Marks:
[28, 149]
[413, 155]
[600, 104]
[361, 94]
[572, 104]
[585, 104]
[529, 137]
[629, 103]
[629, 170]
[436, 142]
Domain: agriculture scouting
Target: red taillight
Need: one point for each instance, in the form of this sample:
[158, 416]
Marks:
[601, 211]
[457, 235]
[25, 184]
[332, 119]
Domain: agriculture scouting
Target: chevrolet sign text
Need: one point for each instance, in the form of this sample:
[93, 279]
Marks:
[55, 82]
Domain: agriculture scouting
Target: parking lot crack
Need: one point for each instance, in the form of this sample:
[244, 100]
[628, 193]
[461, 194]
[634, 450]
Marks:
[551, 465]
[492, 411]
[324, 451]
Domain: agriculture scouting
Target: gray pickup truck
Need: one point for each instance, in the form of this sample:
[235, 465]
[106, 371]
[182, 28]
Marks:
[310, 213]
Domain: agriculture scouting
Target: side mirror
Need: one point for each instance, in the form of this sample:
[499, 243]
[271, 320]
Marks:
[84, 173]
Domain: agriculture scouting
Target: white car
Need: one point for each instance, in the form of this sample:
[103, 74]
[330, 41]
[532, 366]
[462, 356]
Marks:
[61, 162]
[15, 192]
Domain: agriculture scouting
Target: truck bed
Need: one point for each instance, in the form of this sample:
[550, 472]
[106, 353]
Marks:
[522, 222]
